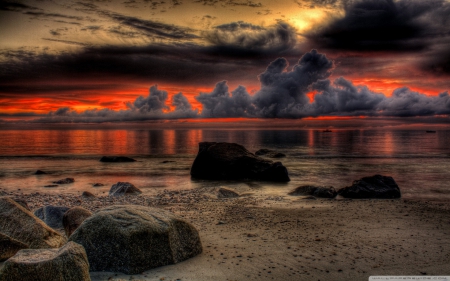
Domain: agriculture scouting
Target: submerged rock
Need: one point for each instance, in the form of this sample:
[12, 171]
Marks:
[132, 239]
[20, 224]
[65, 181]
[68, 263]
[124, 188]
[9, 246]
[73, 218]
[231, 161]
[52, 215]
[39, 172]
[269, 153]
[372, 187]
[98, 184]
[317, 191]
[116, 159]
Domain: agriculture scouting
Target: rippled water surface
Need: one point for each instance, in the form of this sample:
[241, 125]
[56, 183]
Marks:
[418, 161]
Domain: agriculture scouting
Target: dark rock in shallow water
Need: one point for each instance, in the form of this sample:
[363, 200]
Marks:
[124, 188]
[39, 172]
[372, 187]
[116, 159]
[68, 263]
[98, 184]
[9, 247]
[270, 153]
[317, 191]
[51, 185]
[65, 181]
[132, 239]
[52, 215]
[73, 218]
[231, 161]
[20, 224]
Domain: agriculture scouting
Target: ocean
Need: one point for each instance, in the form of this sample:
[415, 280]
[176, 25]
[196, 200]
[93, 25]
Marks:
[417, 160]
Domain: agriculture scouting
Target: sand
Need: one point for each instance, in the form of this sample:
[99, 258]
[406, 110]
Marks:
[292, 238]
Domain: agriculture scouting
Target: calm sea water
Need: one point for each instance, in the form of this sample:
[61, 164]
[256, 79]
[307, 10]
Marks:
[417, 160]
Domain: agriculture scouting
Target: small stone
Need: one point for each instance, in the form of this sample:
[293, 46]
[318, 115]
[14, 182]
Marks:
[65, 181]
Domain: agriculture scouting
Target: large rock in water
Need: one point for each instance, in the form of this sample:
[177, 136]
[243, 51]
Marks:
[68, 263]
[132, 239]
[73, 218]
[116, 159]
[9, 247]
[372, 187]
[317, 191]
[124, 188]
[52, 215]
[231, 161]
[20, 224]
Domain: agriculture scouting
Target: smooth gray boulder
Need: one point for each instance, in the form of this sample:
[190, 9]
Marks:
[124, 188]
[9, 246]
[116, 159]
[52, 215]
[68, 263]
[22, 225]
[377, 186]
[317, 191]
[231, 161]
[132, 239]
[73, 218]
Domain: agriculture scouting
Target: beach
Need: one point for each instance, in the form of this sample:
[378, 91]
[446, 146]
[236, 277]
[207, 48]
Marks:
[254, 237]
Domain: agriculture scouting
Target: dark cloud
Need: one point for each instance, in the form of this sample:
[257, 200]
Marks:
[320, 3]
[252, 38]
[64, 41]
[15, 7]
[247, 3]
[385, 25]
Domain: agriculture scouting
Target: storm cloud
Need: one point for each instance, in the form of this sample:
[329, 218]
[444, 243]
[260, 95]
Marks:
[283, 94]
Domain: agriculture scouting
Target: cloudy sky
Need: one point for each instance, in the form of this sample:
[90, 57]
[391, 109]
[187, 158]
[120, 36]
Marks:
[127, 60]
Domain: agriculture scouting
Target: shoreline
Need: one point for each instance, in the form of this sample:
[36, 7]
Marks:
[278, 238]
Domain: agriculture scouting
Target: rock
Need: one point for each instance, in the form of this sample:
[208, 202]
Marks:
[22, 203]
[98, 184]
[270, 153]
[52, 215]
[116, 159]
[51, 185]
[20, 224]
[131, 239]
[65, 181]
[231, 161]
[317, 191]
[226, 193]
[124, 188]
[9, 247]
[87, 194]
[68, 263]
[372, 187]
[73, 218]
[39, 172]
[167, 161]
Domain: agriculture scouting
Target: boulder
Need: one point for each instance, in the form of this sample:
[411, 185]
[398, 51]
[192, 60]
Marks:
[131, 239]
[65, 181]
[231, 161]
[9, 247]
[124, 188]
[39, 172]
[52, 215]
[68, 263]
[87, 194]
[372, 187]
[317, 191]
[20, 224]
[269, 153]
[73, 218]
[116, 159]
[226, 193]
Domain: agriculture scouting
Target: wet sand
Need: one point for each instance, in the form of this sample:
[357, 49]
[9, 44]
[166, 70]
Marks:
[292, 238]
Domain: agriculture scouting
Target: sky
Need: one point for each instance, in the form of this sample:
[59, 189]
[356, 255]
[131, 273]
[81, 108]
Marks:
[136, 60]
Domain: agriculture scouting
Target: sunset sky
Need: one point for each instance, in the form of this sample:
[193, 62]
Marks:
[134, 60]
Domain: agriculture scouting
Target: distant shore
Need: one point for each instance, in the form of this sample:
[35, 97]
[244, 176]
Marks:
[291, 238]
